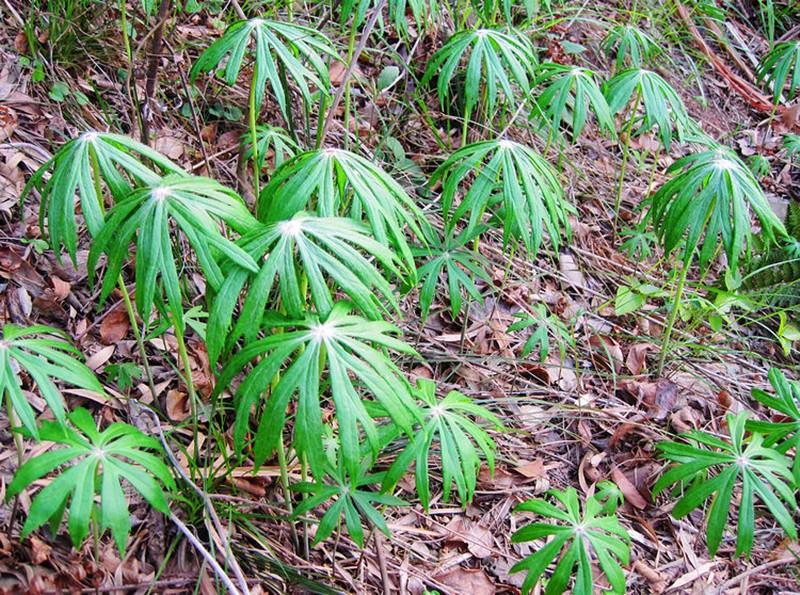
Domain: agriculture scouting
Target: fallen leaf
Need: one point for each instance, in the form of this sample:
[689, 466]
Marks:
[637, 356]
[531, 469]
[114, 326]
[40, 551]
[478, 539]
[570, 271]
[632, 495]
[97, 359]
[61, 289]
[467, 581]
[178, 406]
[608, 352]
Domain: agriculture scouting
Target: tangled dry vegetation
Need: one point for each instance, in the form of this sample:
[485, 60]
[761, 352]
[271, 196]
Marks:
[462, 304]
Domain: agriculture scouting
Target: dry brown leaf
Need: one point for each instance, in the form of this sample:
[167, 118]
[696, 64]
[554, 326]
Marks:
[178, 406]
[170, 146]
[40, 551]
[570, 271]
[97, 359]
[636, 357]
[61, 289]
[478, 539]
[467, 581]
[502, 479]
[632, 495]
[658, 582]
[608, 352]
[114, 326]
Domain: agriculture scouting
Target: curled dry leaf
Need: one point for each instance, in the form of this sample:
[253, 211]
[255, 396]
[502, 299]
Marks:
[636, 357]
[178, 406]
[632, 495]
[570, 271]
[478, 540]
[607, 351]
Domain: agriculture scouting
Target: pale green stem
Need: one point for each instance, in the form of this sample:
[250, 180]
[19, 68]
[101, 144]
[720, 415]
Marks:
[287, 493]
[625, 152]
[183, 354]
[13, 424]
[673, 315]
[465, 128]
[652, 172]
[122, 288]
[254, 138]
[126, 41]
[687, 261]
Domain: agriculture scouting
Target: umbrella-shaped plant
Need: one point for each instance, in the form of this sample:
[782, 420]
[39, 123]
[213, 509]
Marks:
[710, 198]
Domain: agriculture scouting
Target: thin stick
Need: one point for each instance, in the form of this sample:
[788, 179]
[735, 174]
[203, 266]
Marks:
[218, 570]
[362, 43]
[230, 558]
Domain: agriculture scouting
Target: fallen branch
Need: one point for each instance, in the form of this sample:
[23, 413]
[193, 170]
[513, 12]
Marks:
[750, 94]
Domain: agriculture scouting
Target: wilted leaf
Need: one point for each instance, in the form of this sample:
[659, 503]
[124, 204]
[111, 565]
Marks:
[636, 357]
[467, 580]
[632, 495]
[114, 326]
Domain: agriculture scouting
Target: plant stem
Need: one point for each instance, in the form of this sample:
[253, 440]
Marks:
[187, 373]
[123, 289]
[625, 152]
[349, 71]
[13, 425]
[137, 335]
[254, 138]
[673, 314]
[287, 493]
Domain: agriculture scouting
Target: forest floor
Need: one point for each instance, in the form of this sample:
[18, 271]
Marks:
[589, 408]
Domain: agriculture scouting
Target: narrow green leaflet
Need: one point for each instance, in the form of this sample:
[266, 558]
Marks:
[463, 444]
[545, 325]
[322, 254]
[353, 13]
[270, 138]
[452, 265]
[195, 205]
[791, 144]
[95, 463]
[337, 183]
[629, 44]
[569, 94]
[783, 435]
[44, 354]
[709, 469]
[278, 46]
[521, 187]
[662, 105]
[780, 66]
[348, 497]
[342, 355]
[578, 540]
[79, 169]
[500, 60]
[710, 195]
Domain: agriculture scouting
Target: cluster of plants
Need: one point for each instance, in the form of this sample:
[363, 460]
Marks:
[301, 313]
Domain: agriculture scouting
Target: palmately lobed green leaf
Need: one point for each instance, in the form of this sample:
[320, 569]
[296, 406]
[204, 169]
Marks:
[711, 197]
[78, 169]
[744, 462]
[575, 533]
[44, 354]
[351, 352]
[96, 463]
[532, 198]
[300, 52]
